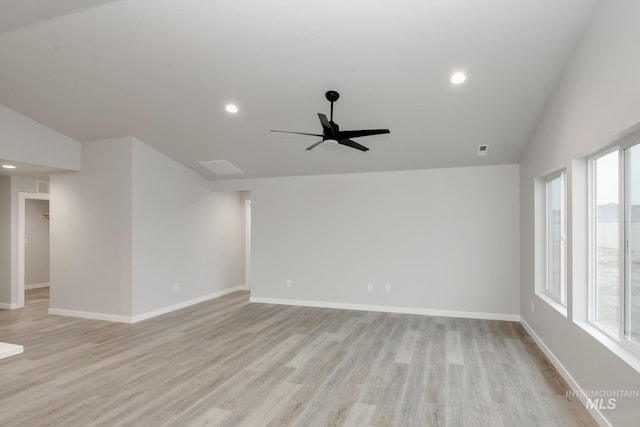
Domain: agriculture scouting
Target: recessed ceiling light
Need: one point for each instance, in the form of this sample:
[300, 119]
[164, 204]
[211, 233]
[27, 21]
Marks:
[231, 108]
[458, 77]
[8, 166]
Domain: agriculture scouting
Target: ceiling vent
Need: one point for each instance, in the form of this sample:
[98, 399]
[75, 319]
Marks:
[221, 167]
[483, 149]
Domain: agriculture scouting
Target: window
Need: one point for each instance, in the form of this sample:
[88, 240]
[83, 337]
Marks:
[632, 244]
[606, 250]
[555, 285]
[615, 243]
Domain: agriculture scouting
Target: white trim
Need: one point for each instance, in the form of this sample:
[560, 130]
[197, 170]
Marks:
[11, 306]
[184, 304]
[595, 413]
[8, 350]
[144, 316]
[560, 308]
[247, 243]
[90, 315]
[22, 197]
[37, 285]
[389, 309]
[562, 297]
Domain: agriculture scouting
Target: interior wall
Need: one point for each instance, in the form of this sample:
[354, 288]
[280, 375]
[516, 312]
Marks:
[443, 239]
[91, 231]
[597, 98]
[36, 253]
[27, 141]
[5, 241]
[187, 241]
[135, 232]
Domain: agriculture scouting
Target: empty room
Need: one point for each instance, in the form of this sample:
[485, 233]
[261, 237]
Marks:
[319, 213]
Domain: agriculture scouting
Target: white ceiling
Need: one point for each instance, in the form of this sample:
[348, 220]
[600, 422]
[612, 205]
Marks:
[163, 70]
[21, 13]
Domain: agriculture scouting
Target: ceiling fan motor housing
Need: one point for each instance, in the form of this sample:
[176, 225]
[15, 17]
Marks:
[332, 95]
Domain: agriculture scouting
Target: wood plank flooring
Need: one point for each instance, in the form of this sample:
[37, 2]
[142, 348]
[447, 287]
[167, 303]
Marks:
[231, 363]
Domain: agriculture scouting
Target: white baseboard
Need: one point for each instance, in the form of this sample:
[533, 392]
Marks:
[595, 413]
[37, 285]
[389, 309]
[144, 316]
[11, 306]
[8, 350]
[184, 304]
[90, 315]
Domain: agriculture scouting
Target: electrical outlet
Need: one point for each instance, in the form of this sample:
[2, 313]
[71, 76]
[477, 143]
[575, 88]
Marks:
[176, 286]
[370, 287]
[288, 283]
[387, 288]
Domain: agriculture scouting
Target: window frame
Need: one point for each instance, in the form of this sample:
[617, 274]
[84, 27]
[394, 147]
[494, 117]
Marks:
[562, 297]
[592, 239]
[625, 297]
[619, 335]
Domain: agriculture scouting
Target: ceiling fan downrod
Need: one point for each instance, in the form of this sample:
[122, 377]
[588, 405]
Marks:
[332, 96]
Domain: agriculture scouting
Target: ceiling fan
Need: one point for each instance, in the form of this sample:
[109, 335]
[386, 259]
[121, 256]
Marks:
[331, 131]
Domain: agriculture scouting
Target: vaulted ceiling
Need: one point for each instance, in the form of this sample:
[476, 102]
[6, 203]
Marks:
[163, 71]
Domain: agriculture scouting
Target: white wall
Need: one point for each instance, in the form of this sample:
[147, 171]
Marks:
[36, 253]
[10, 187]
[24, 140]
[27, 141]
[5, 240]
[182, 233]
[444, 239]
[131, 225]
[597, 98]
[91, 231]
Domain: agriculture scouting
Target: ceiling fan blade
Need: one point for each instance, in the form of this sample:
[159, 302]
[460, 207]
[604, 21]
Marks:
[314, 145]
[352, 144]
[365, 132]
[297, 133]
[325, 122]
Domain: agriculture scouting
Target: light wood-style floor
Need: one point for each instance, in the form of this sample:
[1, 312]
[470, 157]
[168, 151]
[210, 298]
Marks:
[231, 363]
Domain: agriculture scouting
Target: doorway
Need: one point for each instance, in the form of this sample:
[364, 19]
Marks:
[38, 225]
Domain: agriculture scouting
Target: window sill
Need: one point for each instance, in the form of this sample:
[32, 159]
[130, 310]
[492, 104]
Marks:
[554, 304]
[628, 356]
